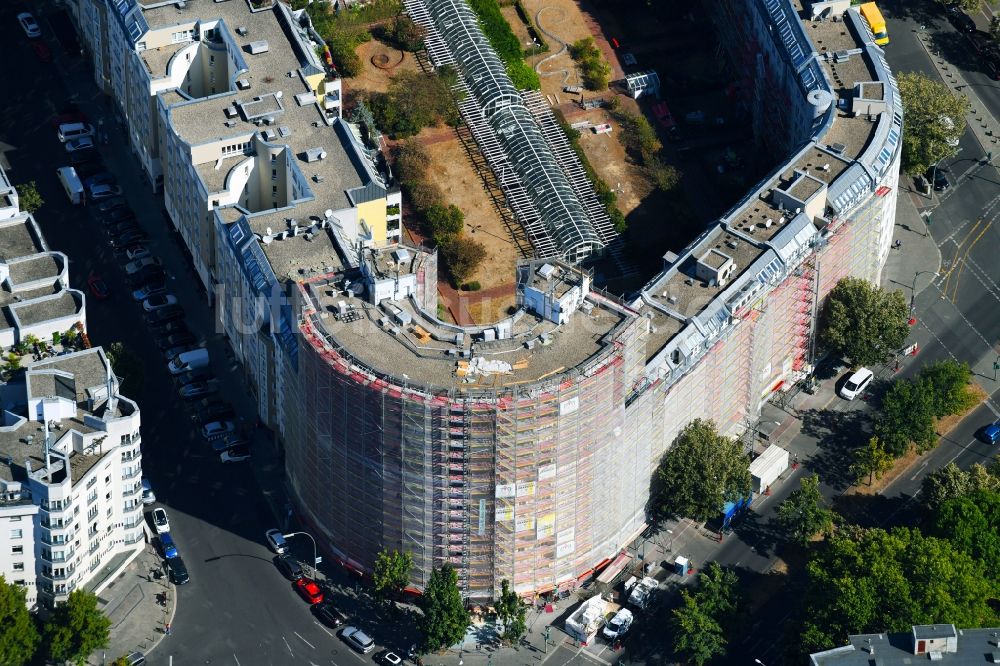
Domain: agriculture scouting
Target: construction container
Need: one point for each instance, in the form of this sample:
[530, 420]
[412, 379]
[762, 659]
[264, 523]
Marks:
[766, 469]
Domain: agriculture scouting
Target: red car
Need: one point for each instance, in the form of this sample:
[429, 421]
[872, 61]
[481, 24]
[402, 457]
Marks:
[42, 51]
[70, 114]
[98, 287]
[309, 590]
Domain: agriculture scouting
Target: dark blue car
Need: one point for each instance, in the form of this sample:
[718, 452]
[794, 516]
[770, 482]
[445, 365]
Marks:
[991, 433]
[167, 546]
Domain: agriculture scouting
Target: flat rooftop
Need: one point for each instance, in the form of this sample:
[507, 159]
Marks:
[48, 265]
[427, 354]
[975, 646]
[22, 295]
[156, 60]
[297, 257]
[39, 310]
[19, 238]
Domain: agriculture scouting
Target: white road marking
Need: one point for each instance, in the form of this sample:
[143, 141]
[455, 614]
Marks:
[237, 660]
[329, 633]
[920, 469]
[304, 640]
[288, 646]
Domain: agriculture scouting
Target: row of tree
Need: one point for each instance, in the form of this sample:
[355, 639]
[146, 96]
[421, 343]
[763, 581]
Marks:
[74, 629]
[596, 71]
[444, 222]
[414, 101]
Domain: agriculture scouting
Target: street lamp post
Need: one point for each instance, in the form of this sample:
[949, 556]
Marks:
[670, 546]
[758, 661]
[315, 560]
[913, 286]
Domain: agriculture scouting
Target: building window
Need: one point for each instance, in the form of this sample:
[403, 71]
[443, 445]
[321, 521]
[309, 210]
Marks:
[274, 158]
[211, 60]
[17, 550]
[140, 46]
[18, 566]
[274, 174]
[16, 534]
[274, 190]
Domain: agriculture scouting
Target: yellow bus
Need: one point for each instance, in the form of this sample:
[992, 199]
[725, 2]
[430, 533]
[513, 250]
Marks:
[871, 14]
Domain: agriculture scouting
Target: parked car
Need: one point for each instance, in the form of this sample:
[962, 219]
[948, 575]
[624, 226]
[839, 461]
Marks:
[167, 547]
[213, 410]
[177, 339]
[98, 287]
[217, 429]
[388, 658]
[619, 625]
[108, 205]
[940, 179]
[126, 226]
[170, 328]
[178, 571]
[69, 114]
[358, 639]
[235, 454]
[229, 442]
[82, 143]
[158, 301]
[134, 267]
[131, 238]
[164, 315]
[170, 353]
[137, 252]
[962, 21]
[148, 496]
[991, 433]
[42, 52]
[289, 567]
[151, 274]
[309, 590]
[149, 289]
[329, 614]
[98, 192]
[29, 25]
[856, 384]
[82, 158]
[160, 520]
[276, 540]
[117, 214]
[199, 375]
[197, 390]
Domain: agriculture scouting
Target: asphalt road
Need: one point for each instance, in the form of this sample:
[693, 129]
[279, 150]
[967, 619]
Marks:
[237, 609]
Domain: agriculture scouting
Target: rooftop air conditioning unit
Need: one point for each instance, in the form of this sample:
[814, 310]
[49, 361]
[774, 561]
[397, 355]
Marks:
[243, 84]
[241, 30]
[258, 47]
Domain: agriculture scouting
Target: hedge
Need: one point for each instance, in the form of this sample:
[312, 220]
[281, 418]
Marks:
[506, 44]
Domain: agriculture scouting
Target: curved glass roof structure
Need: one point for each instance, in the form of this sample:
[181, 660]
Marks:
[504, 109]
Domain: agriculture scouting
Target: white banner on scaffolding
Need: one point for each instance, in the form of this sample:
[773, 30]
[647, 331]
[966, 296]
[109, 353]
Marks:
[505, 490]
[566, 535]
[482, 517]
[505, 513]
[564, 549]
[569, 406]
[546, 526]
[546, 471]
[525, 488]
[524, 523]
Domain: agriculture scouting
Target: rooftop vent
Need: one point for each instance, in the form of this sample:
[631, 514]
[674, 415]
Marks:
[231, 111]
[258, 47]
[838, 148]
[315, 154]
[230, 123]
[305, 98]
[268, 135]
[241, 30]
[243, 84]
[284, 131]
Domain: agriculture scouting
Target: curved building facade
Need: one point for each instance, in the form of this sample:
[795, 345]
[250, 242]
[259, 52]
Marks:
[524, 450]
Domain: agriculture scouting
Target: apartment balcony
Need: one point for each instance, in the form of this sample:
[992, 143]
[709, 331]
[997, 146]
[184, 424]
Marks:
[135, 522]
[64, 574]
[129, 457]
[137, 488]
[131, 474]
[132, 509]
[48, 540]
[64, 556]
[63, 524]
[130, 540]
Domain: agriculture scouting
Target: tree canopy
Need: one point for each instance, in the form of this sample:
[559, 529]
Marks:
[28, 197]
[951, 482]
[869, 580]
[444, 618]
[391, 573]
[698, 625]
[76, 628]
[512, 611]
[863, 322]
[415, 100]
[948, 382]
[127, 366]
[935, 119]
[804, 513]
[700, 473]
[18, 635]
[872, 460]
[906, 415]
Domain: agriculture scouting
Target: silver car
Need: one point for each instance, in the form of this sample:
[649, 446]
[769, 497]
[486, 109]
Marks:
[358, 639]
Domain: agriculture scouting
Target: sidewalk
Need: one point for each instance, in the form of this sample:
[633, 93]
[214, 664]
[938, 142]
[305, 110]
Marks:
[918, 251]
[137, 620]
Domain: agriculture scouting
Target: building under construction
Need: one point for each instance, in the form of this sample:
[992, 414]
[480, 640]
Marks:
[523, 450]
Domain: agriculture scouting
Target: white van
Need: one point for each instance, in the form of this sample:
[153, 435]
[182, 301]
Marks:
[856, 384]
[74, 131]
[71, 184]
[192, 360]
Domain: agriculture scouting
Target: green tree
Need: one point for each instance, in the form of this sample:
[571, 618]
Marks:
[697, 636]
[972, 525]
[18, 635]
[414, 101]
[951, 482]
[462, 255]
[596, 72]
[935, 120]
[76, 628]
[869, 580]
[444, 618]
[948, 381]
[863, 322]
[906, 415]
[700, 473]
[718, 592]
[128, 367]
[804, 513]
[512, 613]
[391, 573]
[28, 198]
[872, 461]
[406, 34]
[444, 222]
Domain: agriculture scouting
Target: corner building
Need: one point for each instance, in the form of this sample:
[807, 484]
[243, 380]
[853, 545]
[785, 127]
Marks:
[524, 450]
